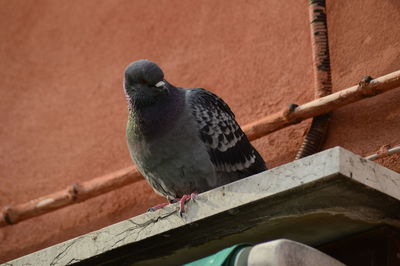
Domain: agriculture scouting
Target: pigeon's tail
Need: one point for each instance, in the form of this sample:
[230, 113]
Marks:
[259, 165]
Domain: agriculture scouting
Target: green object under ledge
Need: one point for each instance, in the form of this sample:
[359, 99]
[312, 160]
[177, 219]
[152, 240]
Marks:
[225, 257]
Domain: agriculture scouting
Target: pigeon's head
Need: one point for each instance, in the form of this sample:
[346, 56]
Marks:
[144, 83]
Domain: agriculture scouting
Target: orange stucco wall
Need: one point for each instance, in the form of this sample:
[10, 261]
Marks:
[63, 112]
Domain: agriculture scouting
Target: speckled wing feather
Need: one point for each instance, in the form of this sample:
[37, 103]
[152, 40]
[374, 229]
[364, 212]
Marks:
[227, 145]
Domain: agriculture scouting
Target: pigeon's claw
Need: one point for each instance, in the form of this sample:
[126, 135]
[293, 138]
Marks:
[183, 200]
[194, 196]
[158, 206]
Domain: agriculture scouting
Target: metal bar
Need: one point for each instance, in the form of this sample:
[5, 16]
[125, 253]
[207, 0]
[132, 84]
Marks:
[292, 115]
[73, 194]
[383, 154]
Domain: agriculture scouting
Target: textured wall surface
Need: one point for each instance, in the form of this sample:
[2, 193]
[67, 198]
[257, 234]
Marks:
[63, 112]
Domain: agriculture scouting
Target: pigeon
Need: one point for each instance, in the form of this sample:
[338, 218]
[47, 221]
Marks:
[183, 141]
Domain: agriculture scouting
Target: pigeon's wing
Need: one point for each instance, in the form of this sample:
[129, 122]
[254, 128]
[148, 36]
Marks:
[227, 145]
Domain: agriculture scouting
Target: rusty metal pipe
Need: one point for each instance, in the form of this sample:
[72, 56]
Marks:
[318, 130]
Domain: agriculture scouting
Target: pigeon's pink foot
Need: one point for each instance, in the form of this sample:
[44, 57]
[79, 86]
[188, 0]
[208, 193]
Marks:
[158, 206]
[183, 200]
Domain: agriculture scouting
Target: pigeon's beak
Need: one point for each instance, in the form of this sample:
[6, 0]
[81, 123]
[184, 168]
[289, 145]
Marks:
[160, 84]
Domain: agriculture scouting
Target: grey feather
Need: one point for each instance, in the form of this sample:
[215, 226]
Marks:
[182, 140]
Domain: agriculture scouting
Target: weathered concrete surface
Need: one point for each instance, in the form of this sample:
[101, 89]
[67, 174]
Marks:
[63, 112]
[283, 252]
[313, 200]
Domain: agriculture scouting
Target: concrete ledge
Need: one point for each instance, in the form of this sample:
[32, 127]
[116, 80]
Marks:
[313, 200]
[285, 252]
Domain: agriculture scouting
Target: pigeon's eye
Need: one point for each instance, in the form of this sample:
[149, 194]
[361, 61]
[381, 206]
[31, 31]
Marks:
[160, 84]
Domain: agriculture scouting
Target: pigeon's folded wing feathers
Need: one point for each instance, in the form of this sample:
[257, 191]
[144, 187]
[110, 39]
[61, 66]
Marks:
[227, 145]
